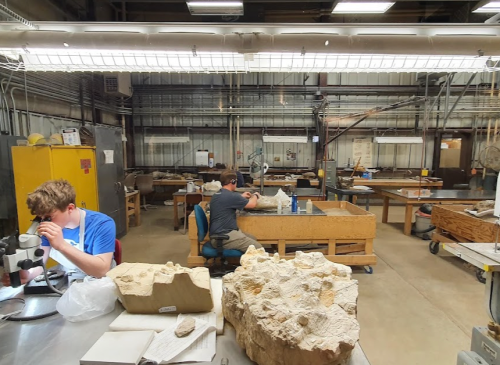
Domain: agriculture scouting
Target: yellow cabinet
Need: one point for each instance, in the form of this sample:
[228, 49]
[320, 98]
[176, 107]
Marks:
[35, 165]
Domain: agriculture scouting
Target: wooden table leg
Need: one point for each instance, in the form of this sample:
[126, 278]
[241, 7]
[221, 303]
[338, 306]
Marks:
[408, 217]
[176, 214]
[127, 216]
[385, 210]
[137, 209]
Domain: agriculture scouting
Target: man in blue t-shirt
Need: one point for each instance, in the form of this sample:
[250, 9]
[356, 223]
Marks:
[75, 238]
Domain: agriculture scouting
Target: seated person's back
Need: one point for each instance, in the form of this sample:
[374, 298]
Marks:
[223, 207]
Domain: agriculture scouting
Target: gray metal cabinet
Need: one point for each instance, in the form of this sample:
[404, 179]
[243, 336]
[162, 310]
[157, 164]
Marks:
[110, 175]
[7, 192]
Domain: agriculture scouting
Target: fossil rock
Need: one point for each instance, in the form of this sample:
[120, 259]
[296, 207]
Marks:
[185, 327]
[149, 288]
[296, 312]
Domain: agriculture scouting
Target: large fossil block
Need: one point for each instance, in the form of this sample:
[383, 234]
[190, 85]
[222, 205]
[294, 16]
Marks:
[149, 288]
[296, 312]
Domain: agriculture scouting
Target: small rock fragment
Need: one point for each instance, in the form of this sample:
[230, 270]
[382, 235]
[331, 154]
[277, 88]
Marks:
[185, 327]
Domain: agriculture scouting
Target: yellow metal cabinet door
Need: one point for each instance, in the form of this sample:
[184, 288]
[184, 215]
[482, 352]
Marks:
[32, 167]
[77, 165]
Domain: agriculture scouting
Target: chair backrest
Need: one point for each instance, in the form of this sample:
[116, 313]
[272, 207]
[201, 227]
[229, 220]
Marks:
[303, 183]
[129, 181]
[144, 184]
[201, 222]
[118, 252]
[193, 198]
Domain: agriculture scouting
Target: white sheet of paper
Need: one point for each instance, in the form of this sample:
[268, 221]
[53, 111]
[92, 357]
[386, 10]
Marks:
[136, 322]
[204, 348]
[166, 345]
[109, 156]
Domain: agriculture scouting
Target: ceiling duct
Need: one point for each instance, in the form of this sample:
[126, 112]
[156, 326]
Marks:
[217, 53]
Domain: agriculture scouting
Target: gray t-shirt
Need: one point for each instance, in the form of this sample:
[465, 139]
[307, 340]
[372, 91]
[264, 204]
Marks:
[223, 207]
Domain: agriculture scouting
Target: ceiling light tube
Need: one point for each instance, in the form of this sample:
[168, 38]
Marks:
[362, 7]
[162, 140]
[215, 4]
[491, 7]
[285, 139]
[399, 140]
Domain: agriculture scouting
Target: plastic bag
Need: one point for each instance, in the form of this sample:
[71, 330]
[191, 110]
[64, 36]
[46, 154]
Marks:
[89, 299]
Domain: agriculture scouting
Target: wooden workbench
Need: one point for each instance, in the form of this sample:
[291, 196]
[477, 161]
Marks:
[437, 197]
[454, 225]
[379, 184]
[302, 194]
[282, 182]
[165, 182]
[133, 207]
[347, 235]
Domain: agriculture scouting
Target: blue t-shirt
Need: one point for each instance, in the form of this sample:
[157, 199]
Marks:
[100, 234]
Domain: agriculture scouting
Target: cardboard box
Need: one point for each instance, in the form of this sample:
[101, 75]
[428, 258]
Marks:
[150, 288]
[450, 158]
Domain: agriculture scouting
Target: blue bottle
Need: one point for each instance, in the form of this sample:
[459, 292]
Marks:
[294, 203]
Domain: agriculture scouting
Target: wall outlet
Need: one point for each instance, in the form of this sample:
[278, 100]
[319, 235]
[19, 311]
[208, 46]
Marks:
[276, 159]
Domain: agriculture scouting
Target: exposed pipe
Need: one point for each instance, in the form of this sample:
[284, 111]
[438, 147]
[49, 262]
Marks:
[19, 122]
[458, 99]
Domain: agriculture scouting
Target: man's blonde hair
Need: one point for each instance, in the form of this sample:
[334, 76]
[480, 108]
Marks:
[50, 196]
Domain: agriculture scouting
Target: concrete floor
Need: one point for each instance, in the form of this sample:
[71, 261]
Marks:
[416, 308]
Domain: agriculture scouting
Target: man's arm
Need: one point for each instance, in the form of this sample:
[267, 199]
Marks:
[97, 265]
[252, 202]
[94, 265]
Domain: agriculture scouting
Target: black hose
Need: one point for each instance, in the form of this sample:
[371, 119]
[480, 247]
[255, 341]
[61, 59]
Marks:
[43, 315]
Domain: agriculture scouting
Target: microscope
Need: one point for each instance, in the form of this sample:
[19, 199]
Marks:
[28, 255]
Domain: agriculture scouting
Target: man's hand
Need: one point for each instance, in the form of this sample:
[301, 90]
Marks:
[246, 195]
[53, 233]
[24, 274]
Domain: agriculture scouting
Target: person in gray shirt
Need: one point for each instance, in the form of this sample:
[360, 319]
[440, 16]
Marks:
[223, 207]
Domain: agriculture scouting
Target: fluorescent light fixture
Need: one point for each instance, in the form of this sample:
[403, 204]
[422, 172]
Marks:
[163, 140]
[361, 7]
[285, 139]
[491, 7]
[215, 7]
[399, 140]
[92, 60]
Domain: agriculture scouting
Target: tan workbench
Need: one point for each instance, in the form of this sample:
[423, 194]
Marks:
[282, 182]
[349, 235]
[437, 197]
[378, 184]
[165, 182]
[133, 207]
[302, 194]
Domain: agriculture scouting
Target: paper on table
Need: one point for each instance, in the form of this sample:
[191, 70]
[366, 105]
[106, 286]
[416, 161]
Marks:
[135, 322]
[166, 345]
[203, 349]
[108, 156]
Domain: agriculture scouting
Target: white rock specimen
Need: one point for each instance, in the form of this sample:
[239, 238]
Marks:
[296, 312]
[149, 288]
[185, 327]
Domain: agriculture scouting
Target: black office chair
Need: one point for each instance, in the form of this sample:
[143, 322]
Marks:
[303, 183]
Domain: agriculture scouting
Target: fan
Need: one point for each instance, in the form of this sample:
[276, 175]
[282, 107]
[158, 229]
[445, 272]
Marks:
[489, 158]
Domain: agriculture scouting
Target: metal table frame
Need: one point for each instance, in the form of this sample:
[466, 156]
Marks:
[54, 340]
[350, 193]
